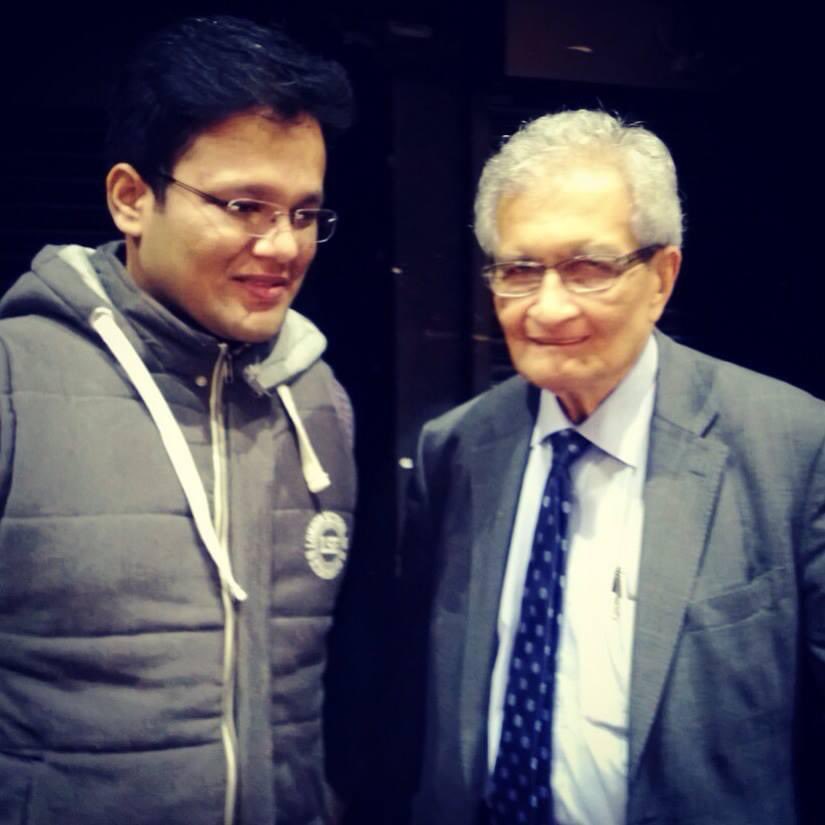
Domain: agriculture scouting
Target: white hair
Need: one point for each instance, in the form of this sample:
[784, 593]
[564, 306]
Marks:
[545, 145]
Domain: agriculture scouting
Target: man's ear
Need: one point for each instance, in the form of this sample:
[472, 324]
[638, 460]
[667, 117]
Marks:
[666, 263]
[129, 198]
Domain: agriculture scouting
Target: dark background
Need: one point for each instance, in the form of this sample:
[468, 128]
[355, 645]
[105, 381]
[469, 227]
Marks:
[732, 88]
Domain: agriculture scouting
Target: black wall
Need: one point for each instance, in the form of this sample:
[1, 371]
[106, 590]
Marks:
[731, 88]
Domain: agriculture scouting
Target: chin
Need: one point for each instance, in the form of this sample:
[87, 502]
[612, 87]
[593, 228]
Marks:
[557, 381]
[254, 336]
[546, 375]
[543, 380]
[250, 329]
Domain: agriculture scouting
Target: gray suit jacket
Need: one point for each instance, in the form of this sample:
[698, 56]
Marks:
[729, 654]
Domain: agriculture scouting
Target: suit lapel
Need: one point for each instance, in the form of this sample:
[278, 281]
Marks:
[683, 479]
[496, 471]
[684, 475]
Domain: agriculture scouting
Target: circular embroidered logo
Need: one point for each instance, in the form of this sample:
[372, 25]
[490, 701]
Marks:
[326, 544]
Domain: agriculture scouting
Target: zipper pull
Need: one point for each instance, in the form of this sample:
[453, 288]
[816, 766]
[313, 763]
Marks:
[224, 363]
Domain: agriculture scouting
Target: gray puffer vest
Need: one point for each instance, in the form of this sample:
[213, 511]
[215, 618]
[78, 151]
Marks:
[161, 654]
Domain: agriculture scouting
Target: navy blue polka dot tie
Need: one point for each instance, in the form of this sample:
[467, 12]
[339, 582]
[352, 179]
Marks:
[519, 790]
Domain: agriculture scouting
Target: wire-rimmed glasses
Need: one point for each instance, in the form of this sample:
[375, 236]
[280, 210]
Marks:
[259, 218]
[583, 274]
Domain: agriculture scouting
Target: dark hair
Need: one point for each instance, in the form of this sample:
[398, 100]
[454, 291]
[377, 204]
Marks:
[202, 70]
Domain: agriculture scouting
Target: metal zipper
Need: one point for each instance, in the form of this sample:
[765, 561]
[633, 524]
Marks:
[221, 373]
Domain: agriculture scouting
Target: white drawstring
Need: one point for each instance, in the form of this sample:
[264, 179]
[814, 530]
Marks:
[103, 321]
[315, 476]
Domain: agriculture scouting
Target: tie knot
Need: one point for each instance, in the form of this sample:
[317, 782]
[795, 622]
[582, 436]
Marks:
[567, 445]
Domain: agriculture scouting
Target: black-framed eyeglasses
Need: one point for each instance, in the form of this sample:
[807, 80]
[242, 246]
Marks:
[580, 275]
[259, 218]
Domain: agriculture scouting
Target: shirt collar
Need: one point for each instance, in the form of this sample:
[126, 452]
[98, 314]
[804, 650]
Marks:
[620, 424]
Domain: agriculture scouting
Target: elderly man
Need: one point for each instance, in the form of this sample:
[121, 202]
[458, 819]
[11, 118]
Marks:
[623, 547]
[176, 472]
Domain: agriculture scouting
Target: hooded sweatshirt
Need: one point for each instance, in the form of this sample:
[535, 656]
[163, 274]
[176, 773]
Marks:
[175, 514]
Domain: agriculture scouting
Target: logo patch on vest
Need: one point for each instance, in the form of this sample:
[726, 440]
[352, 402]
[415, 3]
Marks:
[326, 544]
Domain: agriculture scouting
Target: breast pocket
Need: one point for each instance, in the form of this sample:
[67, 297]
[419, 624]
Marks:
[734, 605]
[736, 657]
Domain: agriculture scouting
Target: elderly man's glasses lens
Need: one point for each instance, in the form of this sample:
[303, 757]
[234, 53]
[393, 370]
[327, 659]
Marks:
[580, 275]
[259, 218]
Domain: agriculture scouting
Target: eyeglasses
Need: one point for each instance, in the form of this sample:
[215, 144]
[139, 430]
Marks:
[258, 218]
[580, 275]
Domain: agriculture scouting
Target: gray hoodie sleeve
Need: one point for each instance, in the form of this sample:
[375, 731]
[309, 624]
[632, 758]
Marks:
[7, 427]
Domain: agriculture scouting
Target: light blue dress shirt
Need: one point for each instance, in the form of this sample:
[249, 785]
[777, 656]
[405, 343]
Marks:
[590, 743]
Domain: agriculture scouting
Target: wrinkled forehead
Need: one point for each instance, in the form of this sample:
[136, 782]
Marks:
[562, 168]
[583, 187]
[570, 208]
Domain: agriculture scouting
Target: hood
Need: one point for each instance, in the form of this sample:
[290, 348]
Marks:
[70, 282]
[61, 284]
[91, 290]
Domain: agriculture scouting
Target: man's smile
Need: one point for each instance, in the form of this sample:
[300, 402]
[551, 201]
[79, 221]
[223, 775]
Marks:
[568, 341]
[263, 289]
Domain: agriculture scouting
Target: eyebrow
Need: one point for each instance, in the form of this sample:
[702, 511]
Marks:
[584, 250]
[260, 193]
[588, 249]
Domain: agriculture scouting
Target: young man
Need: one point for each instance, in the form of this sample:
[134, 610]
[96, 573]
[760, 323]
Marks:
[176, 472]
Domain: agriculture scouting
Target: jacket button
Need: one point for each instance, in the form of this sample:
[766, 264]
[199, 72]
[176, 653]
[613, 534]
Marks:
[201, 380]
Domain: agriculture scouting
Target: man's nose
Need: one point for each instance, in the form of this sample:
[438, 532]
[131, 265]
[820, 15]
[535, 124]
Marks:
[553, 303]
[281, 241]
